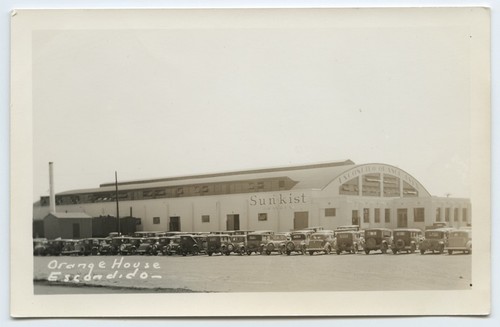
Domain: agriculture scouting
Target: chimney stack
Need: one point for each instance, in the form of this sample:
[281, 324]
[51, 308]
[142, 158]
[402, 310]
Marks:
[52, 199]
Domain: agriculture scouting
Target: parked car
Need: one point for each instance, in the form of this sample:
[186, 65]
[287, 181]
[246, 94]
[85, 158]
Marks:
[54, 247]
[40, 246]
[277, 243]
[377, 239]
[350, 241]
[148, 246]
[105, 246]
[405, 239]
[201, 239]
[298, 242]
[435, 240]
[219, 243]
[257, 241]
[460, 240]
[70, 247]
[239, 242]
[188, 244]
[173, 246]
[321, 241]
[89, 246]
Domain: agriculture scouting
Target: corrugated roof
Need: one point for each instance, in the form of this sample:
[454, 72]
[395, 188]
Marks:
[315, 176]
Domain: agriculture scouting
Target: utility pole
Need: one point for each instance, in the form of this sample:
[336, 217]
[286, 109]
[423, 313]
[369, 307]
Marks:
[117, 207]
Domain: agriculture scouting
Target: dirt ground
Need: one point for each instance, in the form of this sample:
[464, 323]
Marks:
[255, 273]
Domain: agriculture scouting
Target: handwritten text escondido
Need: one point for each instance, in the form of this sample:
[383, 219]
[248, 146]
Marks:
[120, 268]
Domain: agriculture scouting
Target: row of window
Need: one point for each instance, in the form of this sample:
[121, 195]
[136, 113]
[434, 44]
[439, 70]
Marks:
[447, 214]
[373, 185]
[235, 187]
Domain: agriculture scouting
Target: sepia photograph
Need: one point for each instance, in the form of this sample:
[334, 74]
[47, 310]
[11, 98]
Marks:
[261, 162]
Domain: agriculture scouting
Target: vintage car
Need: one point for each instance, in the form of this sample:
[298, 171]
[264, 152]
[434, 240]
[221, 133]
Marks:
[321, 241]
[377, 239]
[405, 239]
[54, 247]
[257, 241]
[188, 245]
[298, 242]
[89, 246]
[172, 246]
[435, 240]
[124, 245]
[239, 242]
[148, 246]
[71, 247]
[277, 243]
[40, 246]
[460, 240]
[201, 239]
[219, 243]
[105, 247]
[350, 241]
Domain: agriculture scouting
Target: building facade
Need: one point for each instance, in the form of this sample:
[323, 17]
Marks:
[279, 199]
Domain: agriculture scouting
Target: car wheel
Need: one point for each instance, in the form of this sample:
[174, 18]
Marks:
[384, 248]
[209, 254]
[367, 251]
[249, 252]
[268, 252]
[288, 252]
[338, 252]
[328, 250]
[422, 251]
[413, 248]
[450, 252]
[441, 249]
[311, 252]
[195, 251]
[395, 251]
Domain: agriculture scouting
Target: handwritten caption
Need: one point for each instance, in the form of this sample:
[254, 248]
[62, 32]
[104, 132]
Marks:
[118, 269]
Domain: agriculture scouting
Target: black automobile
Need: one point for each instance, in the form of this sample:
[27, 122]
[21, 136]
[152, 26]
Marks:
[349, 241]
[406, 239]
[377, 239]
[188, 245]
[219, 243]
[257, 241]
[435, 240]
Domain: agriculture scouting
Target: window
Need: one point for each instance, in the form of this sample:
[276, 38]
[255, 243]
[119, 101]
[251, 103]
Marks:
[330, 212]
[418, 215]
[377, 215]
[387, 215]
[366, 215]
[281, 184]
[371, 185]
[438, 214]
[180, 191]
[156, 220]
[205, 218]
[455, 214]
[464, 214]
[447, 214]
[262, 216]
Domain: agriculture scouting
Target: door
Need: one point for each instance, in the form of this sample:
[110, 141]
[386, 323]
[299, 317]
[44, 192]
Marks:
[355, 217]
[301, 220]
[175, 224]
[402, 218]
[76, 231]
[233, 222]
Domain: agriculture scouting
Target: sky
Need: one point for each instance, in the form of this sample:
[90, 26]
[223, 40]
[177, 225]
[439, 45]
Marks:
[173, 102]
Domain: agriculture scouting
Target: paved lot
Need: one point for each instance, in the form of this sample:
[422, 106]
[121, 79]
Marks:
[256, 273]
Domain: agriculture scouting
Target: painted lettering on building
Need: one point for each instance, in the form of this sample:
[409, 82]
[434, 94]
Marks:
[277, 199]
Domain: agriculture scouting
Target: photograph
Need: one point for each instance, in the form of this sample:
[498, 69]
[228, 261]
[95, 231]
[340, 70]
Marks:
[262, 162]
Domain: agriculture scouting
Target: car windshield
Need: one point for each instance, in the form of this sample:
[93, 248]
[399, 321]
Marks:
[434, 234]
[298, 237]
[238, 239]
[401, 233]
[459, 234]
[279, 237]
[372, 233]
[319, 236]
[213, 239]
[344, 236]
[254, 237]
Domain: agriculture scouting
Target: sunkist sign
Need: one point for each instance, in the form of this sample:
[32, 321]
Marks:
[277, 199]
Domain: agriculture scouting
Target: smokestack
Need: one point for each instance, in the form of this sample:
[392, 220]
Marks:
[52, 199]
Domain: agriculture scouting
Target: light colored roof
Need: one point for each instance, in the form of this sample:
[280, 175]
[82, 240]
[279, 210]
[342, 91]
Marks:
[314, 176]
[69, 215]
